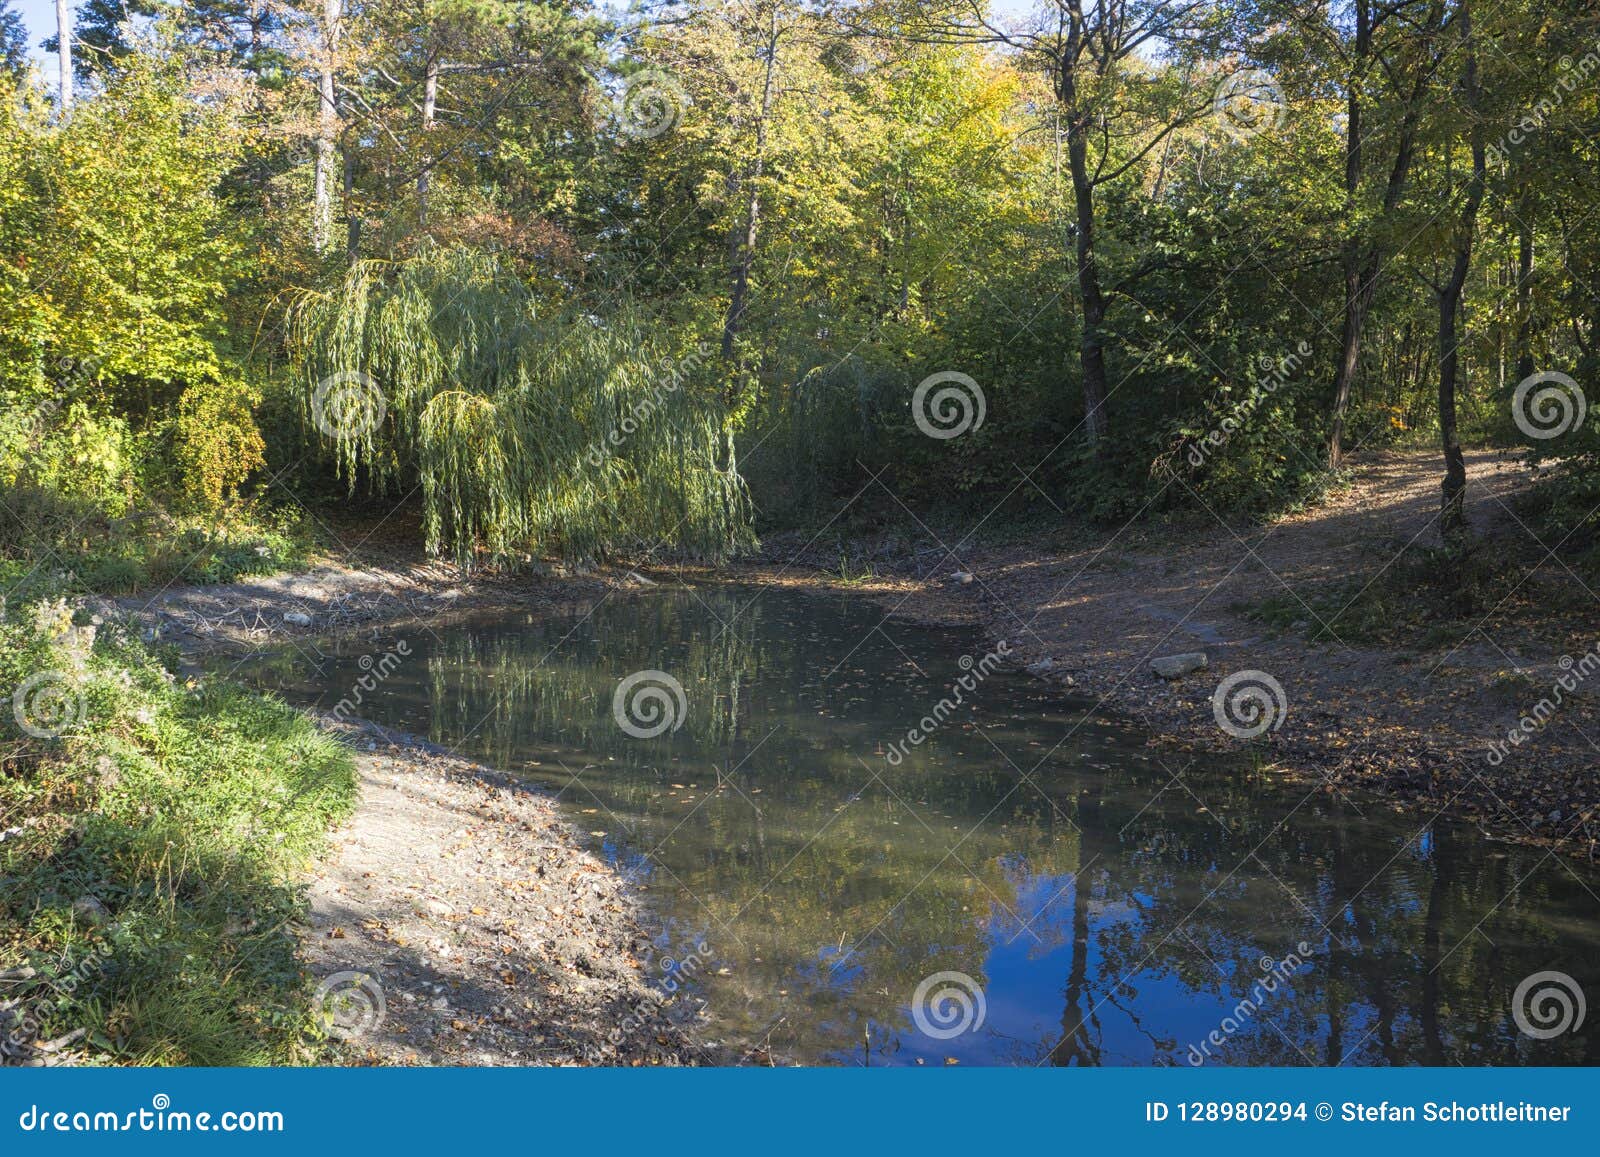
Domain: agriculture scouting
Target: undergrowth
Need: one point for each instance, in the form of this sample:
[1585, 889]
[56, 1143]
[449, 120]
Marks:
[154, 830]
[1426, 597]
[49, 545]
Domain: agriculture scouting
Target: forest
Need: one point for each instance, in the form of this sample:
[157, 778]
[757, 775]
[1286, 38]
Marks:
[1188, 253]
[522, 290]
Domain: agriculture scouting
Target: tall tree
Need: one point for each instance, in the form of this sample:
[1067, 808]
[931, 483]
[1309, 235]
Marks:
[1453, 511]
[64, 53]
[747, 232]
[1114, 110]
[329, 29]
[1404, 64]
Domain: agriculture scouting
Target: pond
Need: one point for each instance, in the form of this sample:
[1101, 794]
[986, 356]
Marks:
[847, 872]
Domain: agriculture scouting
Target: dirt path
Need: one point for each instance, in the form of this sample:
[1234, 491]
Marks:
[336, 597]
[1416, 721]
[460, 922]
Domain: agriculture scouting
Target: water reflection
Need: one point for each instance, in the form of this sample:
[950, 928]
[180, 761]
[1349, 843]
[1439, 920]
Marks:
[1115, 905]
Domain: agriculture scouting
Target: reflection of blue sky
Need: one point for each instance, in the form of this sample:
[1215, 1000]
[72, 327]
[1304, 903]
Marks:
[1025, 978]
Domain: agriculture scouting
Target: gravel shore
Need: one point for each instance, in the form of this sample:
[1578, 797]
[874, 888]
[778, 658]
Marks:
[493, 936]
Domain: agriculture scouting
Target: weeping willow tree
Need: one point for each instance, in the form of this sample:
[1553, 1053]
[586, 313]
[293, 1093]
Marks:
[565, 434]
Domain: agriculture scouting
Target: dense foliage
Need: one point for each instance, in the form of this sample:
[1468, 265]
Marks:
[585, 287]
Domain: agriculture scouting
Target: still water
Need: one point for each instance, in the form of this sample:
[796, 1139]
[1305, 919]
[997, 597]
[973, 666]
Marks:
[1091, 899]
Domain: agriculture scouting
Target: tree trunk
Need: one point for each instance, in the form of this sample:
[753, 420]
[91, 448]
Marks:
[352, 214]
[1357, 293]
[327, 121]
[744, 239]
[1453, 518]
[430, 106]
[1524, 293]
[1360, 282]
[1091, 348]
[1453, 515]
[64, 51]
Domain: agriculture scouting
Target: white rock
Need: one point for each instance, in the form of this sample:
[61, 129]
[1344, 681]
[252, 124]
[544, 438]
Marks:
[297, 618]
[1177, 666]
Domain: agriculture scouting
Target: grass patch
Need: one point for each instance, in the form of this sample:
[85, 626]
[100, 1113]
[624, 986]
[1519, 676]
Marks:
[152, 853]
[49, 546]
[1424, 599]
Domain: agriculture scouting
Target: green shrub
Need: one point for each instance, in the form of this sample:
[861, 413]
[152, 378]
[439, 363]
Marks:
[218, 445]
[161, 831]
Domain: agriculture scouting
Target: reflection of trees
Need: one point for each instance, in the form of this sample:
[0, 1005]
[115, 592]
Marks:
[823, 879]
[805, 872]
[1400, 971]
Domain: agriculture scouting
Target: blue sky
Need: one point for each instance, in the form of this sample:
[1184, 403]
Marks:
[40, 17]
